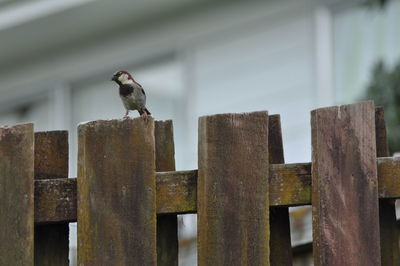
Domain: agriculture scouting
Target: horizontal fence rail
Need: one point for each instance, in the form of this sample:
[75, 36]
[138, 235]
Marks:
[289, 185]
[128, 194]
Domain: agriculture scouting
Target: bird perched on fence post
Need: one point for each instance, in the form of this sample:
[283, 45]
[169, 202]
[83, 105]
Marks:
[132, 94]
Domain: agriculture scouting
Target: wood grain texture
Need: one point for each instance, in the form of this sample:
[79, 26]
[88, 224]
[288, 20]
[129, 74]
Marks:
[345, 186]
[51, 154]
[389, 232]
[232, 192]
[289, 186]
[382, 146]
[165, 147]
[388, 177]
[55, 200]
[177, 192]
[51, 161]
[167, 225]
[279, 224]
[117, 193]
[16, 195]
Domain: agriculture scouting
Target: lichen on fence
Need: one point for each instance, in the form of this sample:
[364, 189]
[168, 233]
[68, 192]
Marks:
[129, 193]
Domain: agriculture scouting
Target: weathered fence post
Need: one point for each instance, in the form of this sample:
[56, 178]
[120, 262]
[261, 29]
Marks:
[16, 195]
[280, 244]
[167, 225]
[51, 161]
[117, 193]
[345, 186]
[387, 210]
[233, 192]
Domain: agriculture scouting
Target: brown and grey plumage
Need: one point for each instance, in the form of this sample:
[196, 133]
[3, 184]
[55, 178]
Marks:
[132, 93]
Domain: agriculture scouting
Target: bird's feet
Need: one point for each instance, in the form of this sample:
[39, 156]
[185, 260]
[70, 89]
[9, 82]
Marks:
[145, 117]
[126, 115]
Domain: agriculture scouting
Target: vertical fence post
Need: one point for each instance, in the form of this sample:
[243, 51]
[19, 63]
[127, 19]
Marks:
[387, 209]
[345, 186]
[16, 195]
[167, 225]
[233, 194]
[279, 224]
[117, 193]
[51, 161]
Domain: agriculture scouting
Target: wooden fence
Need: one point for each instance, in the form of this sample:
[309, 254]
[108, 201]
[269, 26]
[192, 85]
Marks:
[127, 194]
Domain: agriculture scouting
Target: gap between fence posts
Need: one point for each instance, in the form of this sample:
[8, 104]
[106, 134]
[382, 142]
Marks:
[167, 225]
[51, 162]
[117, 193]
[389, 231]
[280, 242]
[233, 190]
[16, 195]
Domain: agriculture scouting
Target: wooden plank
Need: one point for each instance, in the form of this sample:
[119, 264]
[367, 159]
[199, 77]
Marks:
[345, 186]
[389, 233]
[388, 180]
[177, 192]
[289, 186]
[117, 193]
[233, 207]
[279, 224]
[165, 148]
[51, 154]
[51, 161]
[55, 200]
[382, 147]
[167, 225]
[16, 195]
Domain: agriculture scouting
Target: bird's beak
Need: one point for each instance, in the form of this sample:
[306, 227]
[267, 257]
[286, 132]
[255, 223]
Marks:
[114, 78]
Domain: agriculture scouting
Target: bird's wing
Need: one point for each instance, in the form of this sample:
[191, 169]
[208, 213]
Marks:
[138, 86]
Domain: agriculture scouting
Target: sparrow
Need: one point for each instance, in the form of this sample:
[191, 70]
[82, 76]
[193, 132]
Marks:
[132, 93]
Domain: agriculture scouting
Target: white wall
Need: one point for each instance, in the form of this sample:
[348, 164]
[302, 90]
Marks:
[37, 112]
[266, 64]
[237, 56]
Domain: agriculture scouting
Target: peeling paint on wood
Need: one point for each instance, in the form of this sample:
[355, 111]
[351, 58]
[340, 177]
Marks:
[16, 195]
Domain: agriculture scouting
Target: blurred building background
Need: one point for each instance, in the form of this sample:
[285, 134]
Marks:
[193, 58]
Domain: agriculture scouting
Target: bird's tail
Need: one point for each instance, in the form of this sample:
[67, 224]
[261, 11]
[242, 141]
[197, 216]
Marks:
[147, 111]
